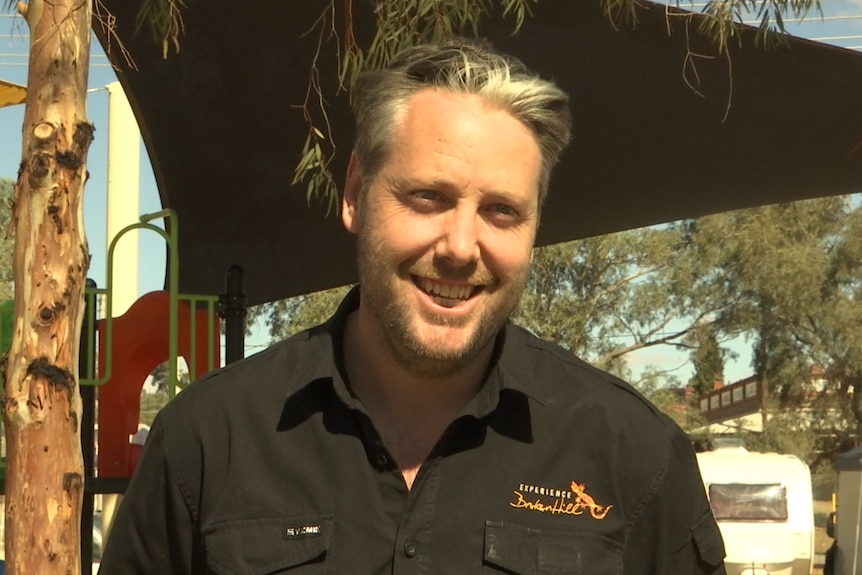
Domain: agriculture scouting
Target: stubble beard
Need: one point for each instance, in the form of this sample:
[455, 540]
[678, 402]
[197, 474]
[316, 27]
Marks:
[394, 316]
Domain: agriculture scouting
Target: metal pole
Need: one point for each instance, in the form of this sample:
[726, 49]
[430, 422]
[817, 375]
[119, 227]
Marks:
[86, 363]
[232, 309]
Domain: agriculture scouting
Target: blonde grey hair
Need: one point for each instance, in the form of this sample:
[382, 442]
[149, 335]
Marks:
[380, 97]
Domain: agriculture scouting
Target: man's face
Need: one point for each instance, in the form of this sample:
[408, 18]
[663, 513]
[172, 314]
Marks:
[445, 230]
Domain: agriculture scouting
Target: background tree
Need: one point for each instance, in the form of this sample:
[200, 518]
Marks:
[786, 432]
[667, 393]
[160, 377]
[606, 297]
[707, 357]
[286, 317]
[42, 403]
[800, 266]
[7, 245]
[158, 394]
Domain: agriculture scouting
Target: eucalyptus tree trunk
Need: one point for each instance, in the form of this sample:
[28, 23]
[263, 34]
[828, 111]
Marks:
[42, 403]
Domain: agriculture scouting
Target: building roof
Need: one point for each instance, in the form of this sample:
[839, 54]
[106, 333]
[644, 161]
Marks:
[11, 94]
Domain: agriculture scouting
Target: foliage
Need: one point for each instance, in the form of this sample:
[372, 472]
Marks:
[721, 21]
[667, 394]
[724, 19]
[161, 374]
[785, 432]
[7, 244]
[707, 357]
[400, 23]
[165, 21]
[608, 296]
[286, 317]
[151, 404]
[800, 266]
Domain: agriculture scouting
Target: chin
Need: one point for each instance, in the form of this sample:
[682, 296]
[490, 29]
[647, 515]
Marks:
[446, 345]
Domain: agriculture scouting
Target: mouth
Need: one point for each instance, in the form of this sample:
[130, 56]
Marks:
[447, 295]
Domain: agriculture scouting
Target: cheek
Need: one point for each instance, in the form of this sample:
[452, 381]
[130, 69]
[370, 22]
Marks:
[511, 249]
[509, 260]
[408, 236]
[397, 247]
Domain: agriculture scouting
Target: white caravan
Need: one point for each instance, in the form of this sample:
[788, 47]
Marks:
[764, 507]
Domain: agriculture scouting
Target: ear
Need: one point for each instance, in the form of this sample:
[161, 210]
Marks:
[352, 189]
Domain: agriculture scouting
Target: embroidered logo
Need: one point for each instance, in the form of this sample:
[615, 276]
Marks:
[302, 531]
[558, 501]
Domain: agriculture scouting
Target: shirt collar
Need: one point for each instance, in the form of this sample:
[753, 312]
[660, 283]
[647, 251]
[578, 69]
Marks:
[511, 367]
[322, 352]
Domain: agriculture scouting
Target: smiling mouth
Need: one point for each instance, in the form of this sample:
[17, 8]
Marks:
[446, 295]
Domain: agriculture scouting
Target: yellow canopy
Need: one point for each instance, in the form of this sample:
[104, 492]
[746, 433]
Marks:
[11, 94]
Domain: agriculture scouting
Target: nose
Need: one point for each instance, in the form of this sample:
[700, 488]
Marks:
[459, 238]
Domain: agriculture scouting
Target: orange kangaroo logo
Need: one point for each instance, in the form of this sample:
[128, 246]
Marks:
[585, 500]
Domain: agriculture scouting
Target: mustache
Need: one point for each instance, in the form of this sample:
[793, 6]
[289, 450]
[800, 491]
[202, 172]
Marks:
[473, 273]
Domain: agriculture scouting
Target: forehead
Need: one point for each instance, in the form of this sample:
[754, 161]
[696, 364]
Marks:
[433, 106]
[440, 132]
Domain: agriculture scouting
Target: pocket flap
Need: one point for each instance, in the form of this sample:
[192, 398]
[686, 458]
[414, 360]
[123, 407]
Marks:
[267, 545]
[526, 550]
[708, 540]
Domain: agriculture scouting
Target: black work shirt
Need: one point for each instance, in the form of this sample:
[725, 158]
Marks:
[271, 466]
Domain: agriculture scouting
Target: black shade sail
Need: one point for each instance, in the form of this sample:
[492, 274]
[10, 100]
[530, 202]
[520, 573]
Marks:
[655, 139]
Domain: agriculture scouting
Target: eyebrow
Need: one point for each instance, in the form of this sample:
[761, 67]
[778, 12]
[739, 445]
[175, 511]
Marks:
[402, 184]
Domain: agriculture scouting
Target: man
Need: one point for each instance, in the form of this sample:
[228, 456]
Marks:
[418, 431]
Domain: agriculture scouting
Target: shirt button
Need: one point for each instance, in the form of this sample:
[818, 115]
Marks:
[381, 459]
[410, 549]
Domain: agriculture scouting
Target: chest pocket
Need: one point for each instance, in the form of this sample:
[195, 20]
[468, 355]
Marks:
[512, 548]
[270, 546]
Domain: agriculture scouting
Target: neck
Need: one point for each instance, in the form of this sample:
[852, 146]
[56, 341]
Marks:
[377, 376]
[409, 411]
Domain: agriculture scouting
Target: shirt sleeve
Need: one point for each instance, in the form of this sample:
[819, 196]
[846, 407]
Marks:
[676, 533]
[154, 531]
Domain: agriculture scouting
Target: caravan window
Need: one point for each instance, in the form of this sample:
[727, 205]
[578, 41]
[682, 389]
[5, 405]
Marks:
[748, 502]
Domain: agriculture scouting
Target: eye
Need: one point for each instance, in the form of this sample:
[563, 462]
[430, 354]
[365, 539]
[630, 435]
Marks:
[504, 210]
[502, 214]
[427, 195]
[426, 200]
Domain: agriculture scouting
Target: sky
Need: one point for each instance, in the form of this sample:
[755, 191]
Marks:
[151, 276]
[840, 26]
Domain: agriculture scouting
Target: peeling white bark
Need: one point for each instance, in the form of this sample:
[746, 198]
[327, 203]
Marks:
[41, 403]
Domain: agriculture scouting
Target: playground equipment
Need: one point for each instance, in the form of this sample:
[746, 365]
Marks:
[159, 327]
[118, 353]
[141, 343]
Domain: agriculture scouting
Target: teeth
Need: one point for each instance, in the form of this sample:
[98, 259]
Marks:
[461, 292]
